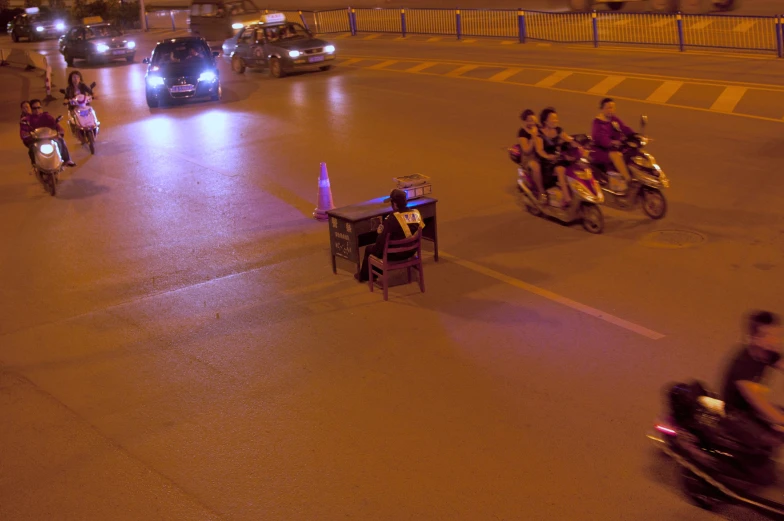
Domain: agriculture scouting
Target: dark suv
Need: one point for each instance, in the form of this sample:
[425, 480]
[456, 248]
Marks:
[182, 68]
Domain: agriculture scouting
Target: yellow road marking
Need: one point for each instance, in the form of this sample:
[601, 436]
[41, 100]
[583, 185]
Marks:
[554, 78]
[728, 99]
[700, 25]
[468, 41]
[341, 36]
[554, 297]
[604, 86]
[505, 75]
[352, 61]
[665, 91]
[371, 37]
[744, 27]
[383, 64]
[507, 42]
[436, 39]
[573, 91]
[421, 67]
[538, 67]
[664, 22]
[461, 70]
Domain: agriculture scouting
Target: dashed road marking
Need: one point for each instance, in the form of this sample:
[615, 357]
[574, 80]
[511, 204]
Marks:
[665, 91]
[729, 99]
[554, 78]
[606, 85]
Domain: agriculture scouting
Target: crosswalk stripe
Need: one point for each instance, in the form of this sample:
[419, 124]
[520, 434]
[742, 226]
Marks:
[421, 67]
[604, 86]
[461, 70]
[505, 75]
[352, 61]
[665, 91]
[554, 78]
[383, 64]
[728, 99]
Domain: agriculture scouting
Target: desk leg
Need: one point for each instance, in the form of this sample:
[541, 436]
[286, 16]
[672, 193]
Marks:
[334, 266]
[435, 236]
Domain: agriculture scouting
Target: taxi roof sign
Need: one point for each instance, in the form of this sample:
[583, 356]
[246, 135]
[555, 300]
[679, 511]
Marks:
[92, 20]
[273, 18]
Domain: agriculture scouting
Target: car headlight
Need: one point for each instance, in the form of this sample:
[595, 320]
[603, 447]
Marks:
[60, 26]
[39, 29]
[237, 26]
[46, 149]
[101, 47]
[154, 81]
[329, 48]
[131, 45]
[294, 54]
[207, 76]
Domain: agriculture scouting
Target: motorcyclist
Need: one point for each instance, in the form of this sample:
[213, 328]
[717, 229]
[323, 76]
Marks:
[548, 144]
[754, 419]
[528, 159]
[608, 132]
[25, 130]
[39, 119]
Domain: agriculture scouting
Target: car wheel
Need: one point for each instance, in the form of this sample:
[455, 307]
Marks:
[276, 70]
[218, 95]
[237, 65]
[152, 101]
[69, 60]
[14, 36]
[325, 68]
[130, 58]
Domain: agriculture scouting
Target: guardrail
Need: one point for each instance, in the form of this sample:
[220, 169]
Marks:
[763, 34]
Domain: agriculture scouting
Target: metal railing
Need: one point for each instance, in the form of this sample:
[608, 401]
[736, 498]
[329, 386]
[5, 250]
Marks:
[744, 33]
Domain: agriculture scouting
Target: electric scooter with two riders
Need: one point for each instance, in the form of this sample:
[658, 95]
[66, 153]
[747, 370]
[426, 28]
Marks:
[585, 191]
[647, 178]
[48, 157]
[82, 119]
[716, 466]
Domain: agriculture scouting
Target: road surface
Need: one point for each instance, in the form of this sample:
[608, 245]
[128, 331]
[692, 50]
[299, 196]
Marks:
[174, 345]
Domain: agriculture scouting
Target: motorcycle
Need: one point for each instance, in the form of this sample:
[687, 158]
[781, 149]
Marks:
[586, 194]
[716, 466]
[648, 179]
[82, 119]
[48, 157]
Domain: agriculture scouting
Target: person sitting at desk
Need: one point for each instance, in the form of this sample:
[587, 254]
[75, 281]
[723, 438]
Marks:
[398, 225]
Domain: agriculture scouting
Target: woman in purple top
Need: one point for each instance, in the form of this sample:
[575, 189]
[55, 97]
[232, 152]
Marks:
[607, 133]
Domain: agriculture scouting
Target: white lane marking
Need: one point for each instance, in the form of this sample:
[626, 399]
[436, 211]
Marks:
[554, 78]
[604, 86]
[665, 91]
[728, 99]
[549, 295]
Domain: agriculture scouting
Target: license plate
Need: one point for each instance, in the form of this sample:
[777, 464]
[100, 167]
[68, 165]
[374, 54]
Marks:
[182, 88]
[316, 59]
[119, 51]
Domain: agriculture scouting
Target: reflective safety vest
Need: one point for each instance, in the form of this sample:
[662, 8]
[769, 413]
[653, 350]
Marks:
[407, 218]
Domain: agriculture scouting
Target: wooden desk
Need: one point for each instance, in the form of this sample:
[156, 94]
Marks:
[354, 226]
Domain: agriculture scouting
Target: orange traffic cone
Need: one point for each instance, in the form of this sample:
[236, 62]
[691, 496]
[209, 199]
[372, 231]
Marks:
[324, 195]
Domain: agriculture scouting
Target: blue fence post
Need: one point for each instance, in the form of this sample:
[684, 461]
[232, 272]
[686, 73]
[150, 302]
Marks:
[521, 25]
[352, 21]
[304, 23]
[679, 18]
[595, 24]
[403, 22]
[459, 23]
[779, 36]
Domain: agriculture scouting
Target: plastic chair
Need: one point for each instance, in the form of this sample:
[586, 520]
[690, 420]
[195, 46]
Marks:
[409, 245]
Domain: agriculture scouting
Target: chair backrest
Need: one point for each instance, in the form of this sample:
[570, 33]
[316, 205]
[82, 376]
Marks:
[409, 244]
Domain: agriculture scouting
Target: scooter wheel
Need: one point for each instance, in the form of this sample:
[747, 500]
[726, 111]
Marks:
[699, 491]
[653, 203]
[592, 218]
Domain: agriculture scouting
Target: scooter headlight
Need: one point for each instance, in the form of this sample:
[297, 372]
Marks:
[46, 149]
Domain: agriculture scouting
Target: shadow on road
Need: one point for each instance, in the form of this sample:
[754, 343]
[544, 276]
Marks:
[73, 189]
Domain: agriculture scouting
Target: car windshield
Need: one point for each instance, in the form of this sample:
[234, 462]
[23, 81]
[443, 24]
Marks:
[288, 31]
[102, 31]
[176, 52]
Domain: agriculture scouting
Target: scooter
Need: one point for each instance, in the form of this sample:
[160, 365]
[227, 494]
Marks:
[48, 157]
[586, 193]
[716, 466]
[648, 179]
[82, 119]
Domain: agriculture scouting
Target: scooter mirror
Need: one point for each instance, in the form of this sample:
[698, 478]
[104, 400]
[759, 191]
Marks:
[643, 120]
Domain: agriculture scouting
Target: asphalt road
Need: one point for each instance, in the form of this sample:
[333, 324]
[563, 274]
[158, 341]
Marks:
[173, 344]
